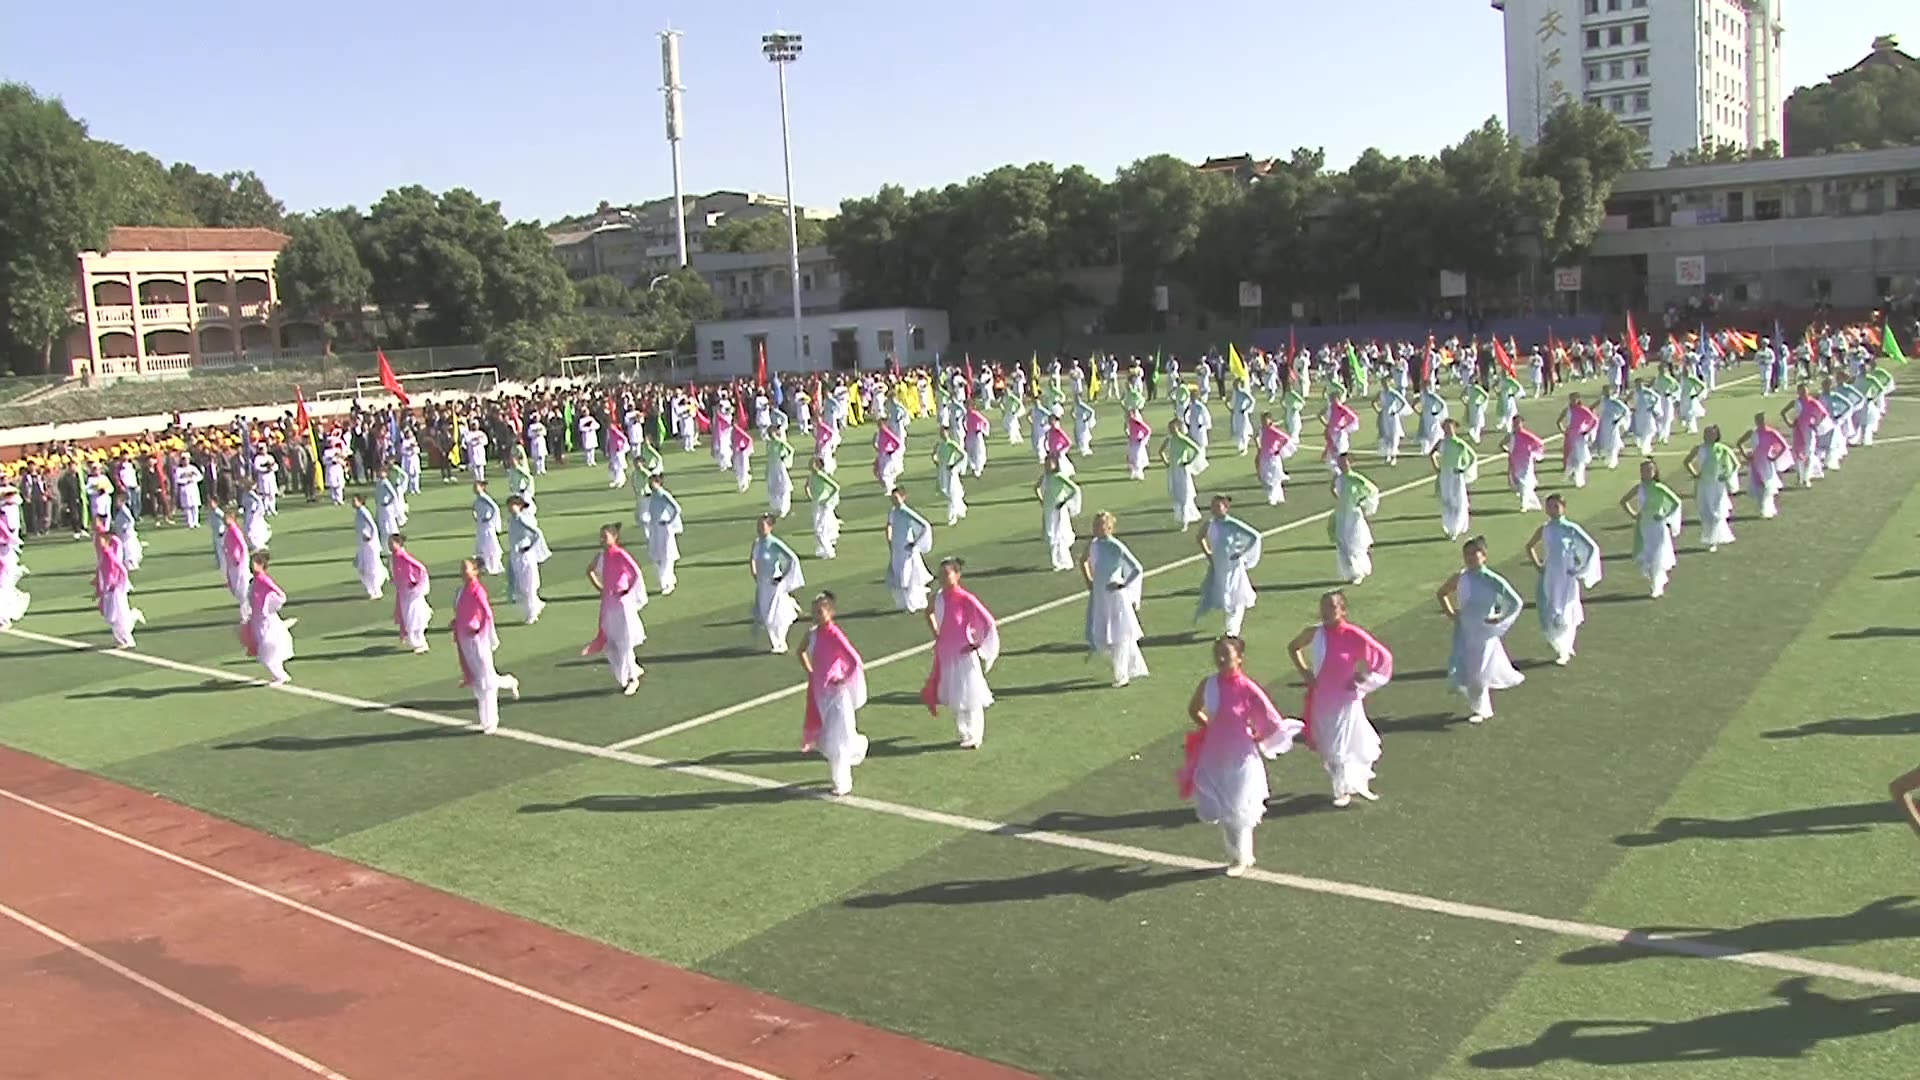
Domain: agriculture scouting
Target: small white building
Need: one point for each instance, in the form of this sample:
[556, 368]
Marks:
[829, 341]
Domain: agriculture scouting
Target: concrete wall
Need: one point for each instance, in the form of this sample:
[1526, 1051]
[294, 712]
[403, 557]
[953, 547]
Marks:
[870, 331]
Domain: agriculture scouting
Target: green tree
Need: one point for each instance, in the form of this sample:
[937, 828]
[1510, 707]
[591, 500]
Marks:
[233, 200]
[1583, 149]
[768, 232]
[1713, 152]
[1874, 105]
[52, 205]
[138, 189]
[604, 292]
[320, 273]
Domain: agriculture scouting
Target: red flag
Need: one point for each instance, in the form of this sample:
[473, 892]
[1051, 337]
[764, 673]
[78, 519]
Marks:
[390, 381]
[302, 423]
[1635, 357]
[1426, 366]
[761, 375]
[1505, 360]
[969, 359]
[1293, 350]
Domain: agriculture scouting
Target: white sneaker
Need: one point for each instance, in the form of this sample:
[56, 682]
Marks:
[1342, 801]
[1237, 869]
[632, 688]
[1476, 718]
[1367, 794]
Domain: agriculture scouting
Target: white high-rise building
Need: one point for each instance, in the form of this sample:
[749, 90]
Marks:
[1683, 73]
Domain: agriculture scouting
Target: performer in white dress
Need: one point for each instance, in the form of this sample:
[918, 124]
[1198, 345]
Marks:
[1655, 511]
[366, 555]
[1114, 578]
[267, 636]
[526, 550]
[909, 538]
[112, 586]
[966, 643]
[623, 593]
[186, 485]
[1341, 664]
[776, 577]
[1456, 465]
[836, 692]
[1236, 727]
[1569, 562]
[823, 491]
[1483, 607]
[411, 587]
[1715, 468]
[1059, 497]
[1232, 549]
[1355, 499]
[475, 640]
[661, 524]
[486, 529]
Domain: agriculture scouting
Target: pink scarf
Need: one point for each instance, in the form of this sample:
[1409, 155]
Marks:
[1341, 417]
[472, 618]
[235, 544]
[1245, 714]
[1057, 440]
[1138, 430]
[616, 438]
[409, 576]
[1524, 448]
[1333, 686]
[1273, 441]
[835, 660]
[1580, 421]
[977, 422]
[823, 432]
[618, 572]
[109, 567]
[262, 587]
[964, 623]
[885, 440]
[1767, 444]
[1812, 412]
[742, 442]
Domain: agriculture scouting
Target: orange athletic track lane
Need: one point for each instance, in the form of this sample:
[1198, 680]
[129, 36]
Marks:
[263, 959]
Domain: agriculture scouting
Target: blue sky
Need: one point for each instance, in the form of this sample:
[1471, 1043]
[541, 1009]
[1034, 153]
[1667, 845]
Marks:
[551, 107]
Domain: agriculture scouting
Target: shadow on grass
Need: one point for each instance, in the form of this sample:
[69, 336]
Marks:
[1890, 919]
[1872, 632]
[1788, 1031]
[1107, 883]
[895, 746]
[154, 693]
[303, 743]
[1903, 724]
[671, 803]
[1899, 575]
[1841, 820]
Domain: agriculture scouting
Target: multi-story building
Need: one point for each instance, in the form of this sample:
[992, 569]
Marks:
[633, 243]
[756, 283]
[1683, 73]
[160, 301]
[1837, 229]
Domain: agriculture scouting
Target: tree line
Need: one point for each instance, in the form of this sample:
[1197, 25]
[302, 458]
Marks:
[1304, 232]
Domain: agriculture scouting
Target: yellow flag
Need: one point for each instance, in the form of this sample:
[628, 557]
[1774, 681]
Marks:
[1035, 364]
[1093, 376]
[1236, 366]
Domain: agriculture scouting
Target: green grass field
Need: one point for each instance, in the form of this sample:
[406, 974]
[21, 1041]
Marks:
[1712, 767]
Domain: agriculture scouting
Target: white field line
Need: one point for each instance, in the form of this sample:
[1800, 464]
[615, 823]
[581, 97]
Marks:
[187, 1003]
[584, 1013]
[1039, 609]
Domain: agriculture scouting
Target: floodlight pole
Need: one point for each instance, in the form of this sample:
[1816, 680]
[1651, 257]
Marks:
[781, 49]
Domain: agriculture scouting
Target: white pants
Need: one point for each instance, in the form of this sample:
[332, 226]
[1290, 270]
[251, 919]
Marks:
[1239, 844]
[193, 516]
[971, 724]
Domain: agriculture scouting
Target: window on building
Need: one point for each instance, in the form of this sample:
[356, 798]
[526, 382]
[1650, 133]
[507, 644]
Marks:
[806, 281]
[1741, 294]
[1639, 66]
[918, 338]
[1617, 103]
[1613, 5]
[1617, 69]
[1639, 32]
[1640, 102]
[1593, 39]
[1614, 36]
[883, 340]
[717, 351]
[1593, 7]
[806, 345]
[1593, 73]
[1823, 288]
[1639, 3]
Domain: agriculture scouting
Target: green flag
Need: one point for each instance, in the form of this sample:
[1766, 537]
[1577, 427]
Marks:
[1890, 345]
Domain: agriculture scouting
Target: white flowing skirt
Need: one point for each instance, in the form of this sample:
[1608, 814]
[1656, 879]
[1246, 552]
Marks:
[908, 579]
[1716, 511]
[1657, 559]
[486, 550]
[372, 571]
[13, 601]
[1180, 490]
[1456, 506]
[826, 530]
[1136, 459]
[963, 684]
[1233, 793]
[774, 612]
[1579, 456]
[1352, 546]
[1113, 625]
[273, 643]
[526, 584]
[415, 616]
[625, 633]
[1480, 664]
[1273, 476]
[840, 740]
[120, 615]
[1348, 746]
